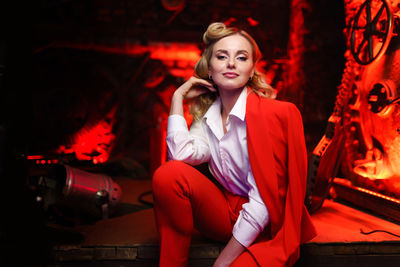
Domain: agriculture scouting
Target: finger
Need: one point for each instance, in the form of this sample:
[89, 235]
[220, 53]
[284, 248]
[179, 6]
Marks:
[212, 88]
[200, 91]
[204, 83]
[201, 81]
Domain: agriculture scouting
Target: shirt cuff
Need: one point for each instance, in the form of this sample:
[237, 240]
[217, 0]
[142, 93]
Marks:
[244, 232]
[176, 123]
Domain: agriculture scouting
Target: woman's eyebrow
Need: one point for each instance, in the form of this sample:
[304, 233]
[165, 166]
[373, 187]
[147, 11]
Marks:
[221, 51]
[237, 52]
[242, 52]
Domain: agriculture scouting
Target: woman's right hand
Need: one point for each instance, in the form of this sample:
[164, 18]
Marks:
[194, 87]
[190, 89]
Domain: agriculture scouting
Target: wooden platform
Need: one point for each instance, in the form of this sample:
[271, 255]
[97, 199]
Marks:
[130, 238]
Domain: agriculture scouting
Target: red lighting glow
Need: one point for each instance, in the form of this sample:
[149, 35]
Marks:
[93, 143]
[179, 57]
[252, 22]
[173, 51]
[32, 157]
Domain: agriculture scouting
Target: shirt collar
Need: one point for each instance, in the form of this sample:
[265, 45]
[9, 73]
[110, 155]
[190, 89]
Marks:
[238, 110]
[214, 111]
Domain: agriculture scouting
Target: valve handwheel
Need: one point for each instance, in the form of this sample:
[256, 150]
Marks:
[371, 32]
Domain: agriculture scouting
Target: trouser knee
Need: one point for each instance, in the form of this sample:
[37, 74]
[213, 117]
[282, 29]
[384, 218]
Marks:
[167, 175]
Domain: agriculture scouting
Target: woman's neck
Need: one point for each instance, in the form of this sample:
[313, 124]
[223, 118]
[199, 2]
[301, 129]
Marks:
[228, 100]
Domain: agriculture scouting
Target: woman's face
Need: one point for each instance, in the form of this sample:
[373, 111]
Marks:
[231, 64]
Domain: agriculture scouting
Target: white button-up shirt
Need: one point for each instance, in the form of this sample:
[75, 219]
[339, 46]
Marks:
[228, 160]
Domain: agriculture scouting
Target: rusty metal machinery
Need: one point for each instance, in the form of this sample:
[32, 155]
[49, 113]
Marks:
[371, 31]
[372, 120]
[367, 118]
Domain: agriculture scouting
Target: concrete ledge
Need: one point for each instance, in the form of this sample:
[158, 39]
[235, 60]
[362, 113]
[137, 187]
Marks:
[312, 254]
[129, 253]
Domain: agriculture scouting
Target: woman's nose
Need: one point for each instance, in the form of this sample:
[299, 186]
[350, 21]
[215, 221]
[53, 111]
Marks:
[231, 63]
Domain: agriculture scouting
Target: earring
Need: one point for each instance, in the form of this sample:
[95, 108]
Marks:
[251, 78]
[209, 77]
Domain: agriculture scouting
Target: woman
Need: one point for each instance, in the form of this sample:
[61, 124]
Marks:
[255, 149]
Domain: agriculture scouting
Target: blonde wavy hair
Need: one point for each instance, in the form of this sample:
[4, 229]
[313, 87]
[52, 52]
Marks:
[257, 83]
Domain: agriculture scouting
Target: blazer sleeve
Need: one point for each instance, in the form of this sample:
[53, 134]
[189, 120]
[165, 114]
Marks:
[278, 157]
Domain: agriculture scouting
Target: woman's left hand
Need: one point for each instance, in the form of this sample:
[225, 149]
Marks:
[219, 263]
[229, 254]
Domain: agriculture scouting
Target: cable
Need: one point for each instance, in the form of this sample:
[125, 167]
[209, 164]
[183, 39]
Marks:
[376, 231]
[142, 195]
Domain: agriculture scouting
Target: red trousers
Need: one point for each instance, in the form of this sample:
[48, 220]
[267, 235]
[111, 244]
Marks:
[184, 200]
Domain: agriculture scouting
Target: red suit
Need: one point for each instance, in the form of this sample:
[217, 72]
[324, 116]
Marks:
[185, 199]
[278, 157]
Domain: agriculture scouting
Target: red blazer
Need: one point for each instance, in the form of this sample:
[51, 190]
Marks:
[278, 158]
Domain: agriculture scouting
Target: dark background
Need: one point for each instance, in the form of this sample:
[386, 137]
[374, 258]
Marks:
[50, 89]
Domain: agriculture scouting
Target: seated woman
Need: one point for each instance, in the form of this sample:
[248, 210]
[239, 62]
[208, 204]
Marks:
[254, 146]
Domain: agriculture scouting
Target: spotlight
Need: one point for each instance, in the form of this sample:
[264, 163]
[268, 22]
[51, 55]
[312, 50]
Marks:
[93, 194]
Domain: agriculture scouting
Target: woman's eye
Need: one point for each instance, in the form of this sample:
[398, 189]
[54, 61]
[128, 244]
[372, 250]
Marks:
[221, 57]
[243, 58]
